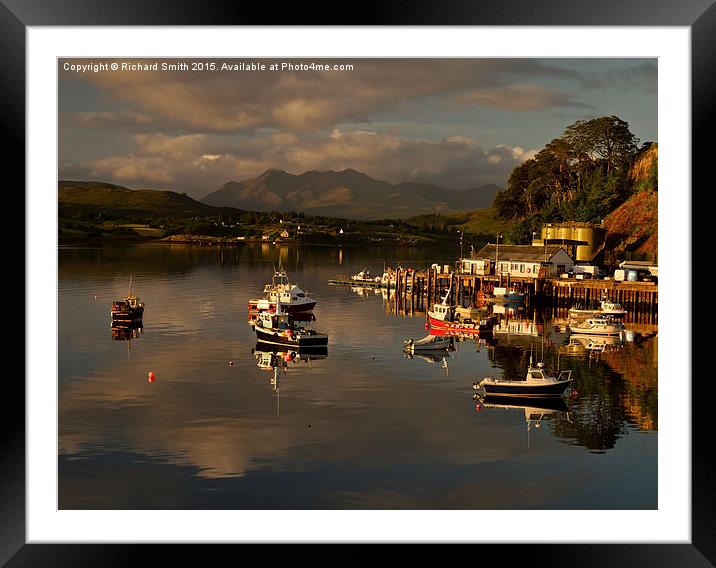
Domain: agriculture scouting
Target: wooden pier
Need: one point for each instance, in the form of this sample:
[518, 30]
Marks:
[416, 291]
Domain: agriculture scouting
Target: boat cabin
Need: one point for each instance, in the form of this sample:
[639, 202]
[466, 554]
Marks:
[273, 320]
[289, 295]
[130, 302]
[539, 373]
[442, 312]
[536, 373]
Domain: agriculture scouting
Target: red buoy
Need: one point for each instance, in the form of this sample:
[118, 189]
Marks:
[151, 377]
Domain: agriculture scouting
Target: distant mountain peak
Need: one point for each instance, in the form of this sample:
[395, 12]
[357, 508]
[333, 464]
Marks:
[273, 172]
[345, 193]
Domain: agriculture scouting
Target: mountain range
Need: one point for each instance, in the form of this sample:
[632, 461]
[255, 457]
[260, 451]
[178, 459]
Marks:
[346, 194]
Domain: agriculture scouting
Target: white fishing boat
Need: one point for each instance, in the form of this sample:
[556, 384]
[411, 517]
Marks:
[599, 326]
[606, 308]
[428, 343]
[290, 295]
[538, 383]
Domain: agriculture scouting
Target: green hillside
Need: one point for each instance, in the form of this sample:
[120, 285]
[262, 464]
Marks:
[76, 195]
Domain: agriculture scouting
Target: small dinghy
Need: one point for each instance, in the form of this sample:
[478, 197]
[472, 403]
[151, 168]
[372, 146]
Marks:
[428, 343]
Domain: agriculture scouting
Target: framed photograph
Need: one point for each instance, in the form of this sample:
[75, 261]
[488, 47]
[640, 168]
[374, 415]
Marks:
[394, 282]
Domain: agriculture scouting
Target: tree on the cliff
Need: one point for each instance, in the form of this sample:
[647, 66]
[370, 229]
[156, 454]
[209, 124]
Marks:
[582, 175]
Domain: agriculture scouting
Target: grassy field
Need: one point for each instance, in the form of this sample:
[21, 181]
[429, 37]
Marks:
[480, 222]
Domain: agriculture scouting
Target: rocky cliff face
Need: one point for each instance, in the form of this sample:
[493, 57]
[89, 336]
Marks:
[632, 228]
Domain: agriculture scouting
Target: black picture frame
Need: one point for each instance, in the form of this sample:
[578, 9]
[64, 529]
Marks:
[17, 15]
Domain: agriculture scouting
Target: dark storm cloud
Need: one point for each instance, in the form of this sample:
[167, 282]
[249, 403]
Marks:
[305, 101]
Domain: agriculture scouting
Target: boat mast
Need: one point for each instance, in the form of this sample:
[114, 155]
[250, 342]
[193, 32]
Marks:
[447, 295]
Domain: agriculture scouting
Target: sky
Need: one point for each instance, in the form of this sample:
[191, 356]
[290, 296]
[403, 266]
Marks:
[458, 123]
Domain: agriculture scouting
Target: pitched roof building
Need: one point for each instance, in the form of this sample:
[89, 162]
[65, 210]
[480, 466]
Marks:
[525, 261]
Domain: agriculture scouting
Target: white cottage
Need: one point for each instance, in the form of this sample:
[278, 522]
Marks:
[525, 261]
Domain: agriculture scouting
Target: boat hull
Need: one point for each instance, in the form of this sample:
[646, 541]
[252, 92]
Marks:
[577, 314]
[298, 339]
[440, 343]
[315, 351]
[543, 403]
[603, 332]
[457, 327]
[265, 305]
[514, 389]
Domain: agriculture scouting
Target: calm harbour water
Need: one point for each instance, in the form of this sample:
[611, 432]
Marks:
[363, 428]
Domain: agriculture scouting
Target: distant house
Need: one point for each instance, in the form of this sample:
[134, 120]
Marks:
[284, 234]
[525, 261]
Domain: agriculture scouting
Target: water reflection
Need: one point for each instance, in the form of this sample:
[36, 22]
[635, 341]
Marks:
[594, 344]
[127, 331]
[534, 410]
[440, 359]
[388, 430]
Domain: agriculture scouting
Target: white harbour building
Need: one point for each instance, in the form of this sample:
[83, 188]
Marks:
[524, 261]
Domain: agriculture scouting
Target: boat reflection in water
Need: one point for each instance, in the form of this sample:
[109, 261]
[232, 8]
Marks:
[365, 291]
[580, 345]
[432, 358]
[508, 308]
[122, 331]
[271, 358]
[535, 410]
[598, 344]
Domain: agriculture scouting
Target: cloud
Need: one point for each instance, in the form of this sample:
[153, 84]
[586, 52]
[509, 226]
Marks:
[519, 97]
[642, 75]
[199, 163]
[296, 101]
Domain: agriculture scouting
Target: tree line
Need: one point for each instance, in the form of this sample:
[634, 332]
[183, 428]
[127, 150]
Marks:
[582, 175]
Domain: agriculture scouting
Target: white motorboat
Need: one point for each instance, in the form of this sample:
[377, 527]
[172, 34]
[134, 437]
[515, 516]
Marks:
[428, 343]
[606, 308]
[598, 326]
[364, 277]
[538, 383]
